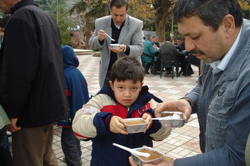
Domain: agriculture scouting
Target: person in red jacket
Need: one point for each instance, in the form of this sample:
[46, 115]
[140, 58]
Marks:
[101, 119]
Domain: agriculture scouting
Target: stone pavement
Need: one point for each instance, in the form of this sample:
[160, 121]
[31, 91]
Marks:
[182, 142]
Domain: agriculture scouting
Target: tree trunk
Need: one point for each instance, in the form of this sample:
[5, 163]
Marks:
[162, 10]
[88, 32]
[160, 25]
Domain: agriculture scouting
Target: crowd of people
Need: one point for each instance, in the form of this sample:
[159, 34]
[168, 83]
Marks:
[152, 56]
[40, 85]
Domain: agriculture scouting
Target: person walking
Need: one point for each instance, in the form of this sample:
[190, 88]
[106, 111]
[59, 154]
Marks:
[124, 29]
[31, 81]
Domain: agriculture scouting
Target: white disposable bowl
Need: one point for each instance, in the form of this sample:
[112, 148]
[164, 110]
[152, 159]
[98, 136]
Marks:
[115, 46]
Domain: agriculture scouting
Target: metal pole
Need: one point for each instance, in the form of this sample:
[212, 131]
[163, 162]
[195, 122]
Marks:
[57, 13]
[172, 29]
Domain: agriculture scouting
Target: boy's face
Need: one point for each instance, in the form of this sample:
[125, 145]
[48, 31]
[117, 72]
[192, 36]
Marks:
[126, 92]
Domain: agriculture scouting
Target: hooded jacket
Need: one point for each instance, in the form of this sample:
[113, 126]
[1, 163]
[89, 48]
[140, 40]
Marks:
[75, 85]
[93, 120]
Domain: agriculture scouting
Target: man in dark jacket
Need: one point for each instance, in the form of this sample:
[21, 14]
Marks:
[31, 81]
[168, 52]
[183, 58]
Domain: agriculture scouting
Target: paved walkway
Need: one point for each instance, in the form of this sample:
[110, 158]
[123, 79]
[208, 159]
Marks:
[182, 142]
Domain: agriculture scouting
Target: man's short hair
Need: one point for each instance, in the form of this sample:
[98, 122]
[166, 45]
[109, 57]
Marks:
[127, 68]
[211, 12]
[118, 4]
[154, 36]
[179, 38]
[148, 36]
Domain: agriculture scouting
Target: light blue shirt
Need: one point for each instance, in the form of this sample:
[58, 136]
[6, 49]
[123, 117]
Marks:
[223, 64]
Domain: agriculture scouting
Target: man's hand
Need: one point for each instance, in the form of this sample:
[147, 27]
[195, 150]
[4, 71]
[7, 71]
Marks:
[116, 125]
[101, 35]
[174, 105]
[121, 49]
[132, 162]
[155, 47]
[13, 127]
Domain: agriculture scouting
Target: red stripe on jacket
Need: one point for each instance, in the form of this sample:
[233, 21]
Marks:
[68, 93]
[122, 111]
[76, 134]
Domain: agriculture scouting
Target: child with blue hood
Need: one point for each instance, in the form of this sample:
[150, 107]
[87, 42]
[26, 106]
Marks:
[77, 94]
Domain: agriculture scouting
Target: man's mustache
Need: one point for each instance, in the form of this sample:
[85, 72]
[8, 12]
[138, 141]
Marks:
[196, 51]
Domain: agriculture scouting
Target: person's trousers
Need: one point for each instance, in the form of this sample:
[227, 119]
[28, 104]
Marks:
[71, 147]
[33, 147]
[184, 64]
[5, 155]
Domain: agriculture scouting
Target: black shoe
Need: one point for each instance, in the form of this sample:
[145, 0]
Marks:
[189, 74]
[168, 74]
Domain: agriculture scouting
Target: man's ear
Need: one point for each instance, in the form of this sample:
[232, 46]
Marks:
[228, 24]
[111, 85]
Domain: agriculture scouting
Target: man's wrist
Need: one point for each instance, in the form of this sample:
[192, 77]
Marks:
[188, 100]
[125, 48]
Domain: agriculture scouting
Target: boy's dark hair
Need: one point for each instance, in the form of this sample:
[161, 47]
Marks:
[118, 4]
[211, 12]
[127, 68]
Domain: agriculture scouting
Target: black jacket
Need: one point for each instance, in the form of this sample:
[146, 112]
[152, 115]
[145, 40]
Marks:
[31, 68]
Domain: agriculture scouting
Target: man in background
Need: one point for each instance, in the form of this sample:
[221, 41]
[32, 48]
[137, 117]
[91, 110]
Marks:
[148, 56]
[183, 58]
[168, 51]
[31, 81]
[156, 45]
[124, 29]
[155, 39]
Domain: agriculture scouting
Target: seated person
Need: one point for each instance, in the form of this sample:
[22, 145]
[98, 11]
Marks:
[193, 60]
[156, 45]
[148, 52]
[183, 58]
[101, 119]
[155, 39]
[168, 49]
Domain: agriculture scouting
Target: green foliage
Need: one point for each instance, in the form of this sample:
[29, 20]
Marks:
[63, 27]
[247, 14]
[59, 11]
[167, 34]
[78, 7]
[91, 9]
